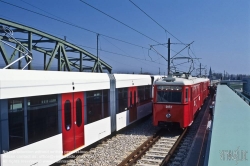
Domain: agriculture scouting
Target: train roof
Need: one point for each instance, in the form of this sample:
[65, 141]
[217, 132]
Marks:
[130, 80]
[180, 80]
[21, 83]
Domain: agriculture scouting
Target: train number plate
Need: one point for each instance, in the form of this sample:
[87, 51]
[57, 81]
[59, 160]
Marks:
[168, 106]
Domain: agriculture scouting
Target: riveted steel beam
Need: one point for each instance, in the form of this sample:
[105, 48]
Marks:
[59, 58]
[52, 56]
[65, 57]
[80, 62]
[30, 49]
[94, 67]
[100, 68]
[4, 54]
[14, 52]
[49, 38]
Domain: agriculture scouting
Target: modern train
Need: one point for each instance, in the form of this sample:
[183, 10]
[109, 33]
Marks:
[177, 99]
[48, 115]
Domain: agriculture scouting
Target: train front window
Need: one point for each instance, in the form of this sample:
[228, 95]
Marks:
[169, 94]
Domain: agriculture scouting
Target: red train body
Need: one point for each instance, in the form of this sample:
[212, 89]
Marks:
[177, 99]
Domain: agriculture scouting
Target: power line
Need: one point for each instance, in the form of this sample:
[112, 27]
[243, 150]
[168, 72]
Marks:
[42, 10]
[71, 24]
[194, 54]
[127, 55]
[114, 45]
[119, 21]
[131, 57]
[163, 29]
[74, 25]
[182, 49]
[120, 54]
[155, 21]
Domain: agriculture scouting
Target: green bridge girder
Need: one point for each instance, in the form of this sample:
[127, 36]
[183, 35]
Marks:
[60, 50]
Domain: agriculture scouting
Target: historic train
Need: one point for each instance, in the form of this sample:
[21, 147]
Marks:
[48, 115]
[177, 99]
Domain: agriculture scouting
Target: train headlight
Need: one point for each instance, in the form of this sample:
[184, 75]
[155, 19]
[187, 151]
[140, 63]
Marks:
[168, 115]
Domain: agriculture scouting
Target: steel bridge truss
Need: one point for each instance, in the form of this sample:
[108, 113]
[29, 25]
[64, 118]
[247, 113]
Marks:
[69, 57]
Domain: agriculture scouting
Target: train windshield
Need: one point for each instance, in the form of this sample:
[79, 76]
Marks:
[169, 94]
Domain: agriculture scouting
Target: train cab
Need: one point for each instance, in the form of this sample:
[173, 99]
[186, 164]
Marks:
[176, 100]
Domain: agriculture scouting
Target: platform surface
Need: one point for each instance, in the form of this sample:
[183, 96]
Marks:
[230, 140]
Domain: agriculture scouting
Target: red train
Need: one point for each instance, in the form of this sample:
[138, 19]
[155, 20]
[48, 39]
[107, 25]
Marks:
[177, 99]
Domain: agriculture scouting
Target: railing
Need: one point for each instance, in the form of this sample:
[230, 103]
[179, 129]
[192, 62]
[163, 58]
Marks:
[246, 99]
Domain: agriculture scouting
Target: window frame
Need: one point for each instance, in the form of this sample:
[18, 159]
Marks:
[186, 95]
[179, 92]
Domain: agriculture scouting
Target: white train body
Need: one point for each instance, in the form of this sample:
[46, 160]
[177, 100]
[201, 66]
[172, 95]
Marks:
[48, 115]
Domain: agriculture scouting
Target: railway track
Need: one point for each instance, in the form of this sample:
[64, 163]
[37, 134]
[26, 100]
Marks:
[157, 150]
[166, 148]
[140, 146]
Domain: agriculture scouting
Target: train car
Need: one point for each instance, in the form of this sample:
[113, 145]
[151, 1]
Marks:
[177, 99]
[154, 78]
[133, 94]
[48, 115]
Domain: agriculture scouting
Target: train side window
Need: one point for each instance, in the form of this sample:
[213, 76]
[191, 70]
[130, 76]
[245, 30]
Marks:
[42, 112]
[78, 112]
[122, 99]
[141, 93]
[147, 92]
[191, 94]
[186, 95]
[134, 97]
[105, 103]
[67, 115]
[130, 99]
[16, 123]
[97, 105]
[94, 106]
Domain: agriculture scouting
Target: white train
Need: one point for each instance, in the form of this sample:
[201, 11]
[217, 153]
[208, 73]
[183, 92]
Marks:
[48, 115]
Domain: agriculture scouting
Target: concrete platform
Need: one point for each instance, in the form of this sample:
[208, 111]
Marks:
[230, 136]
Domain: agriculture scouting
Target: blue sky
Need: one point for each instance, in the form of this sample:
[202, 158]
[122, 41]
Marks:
[220, 30]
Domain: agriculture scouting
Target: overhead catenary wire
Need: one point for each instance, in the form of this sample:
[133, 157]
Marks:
[121, 54]
[42, 10]
[155, 21]
[119, 21]
[165, 31]
[71, 24]
[132, 57]
[77, 26]
[74, 25]
[182, 49]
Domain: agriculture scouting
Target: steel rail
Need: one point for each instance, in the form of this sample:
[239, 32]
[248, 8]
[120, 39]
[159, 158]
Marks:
[174, 147]
[136, 154]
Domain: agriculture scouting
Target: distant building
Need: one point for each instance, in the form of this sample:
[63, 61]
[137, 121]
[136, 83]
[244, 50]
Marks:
[246, 86]
[210, 76]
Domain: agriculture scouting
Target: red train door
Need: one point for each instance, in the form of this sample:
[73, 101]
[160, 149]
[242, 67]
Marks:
[132, 93]
[72, 121]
